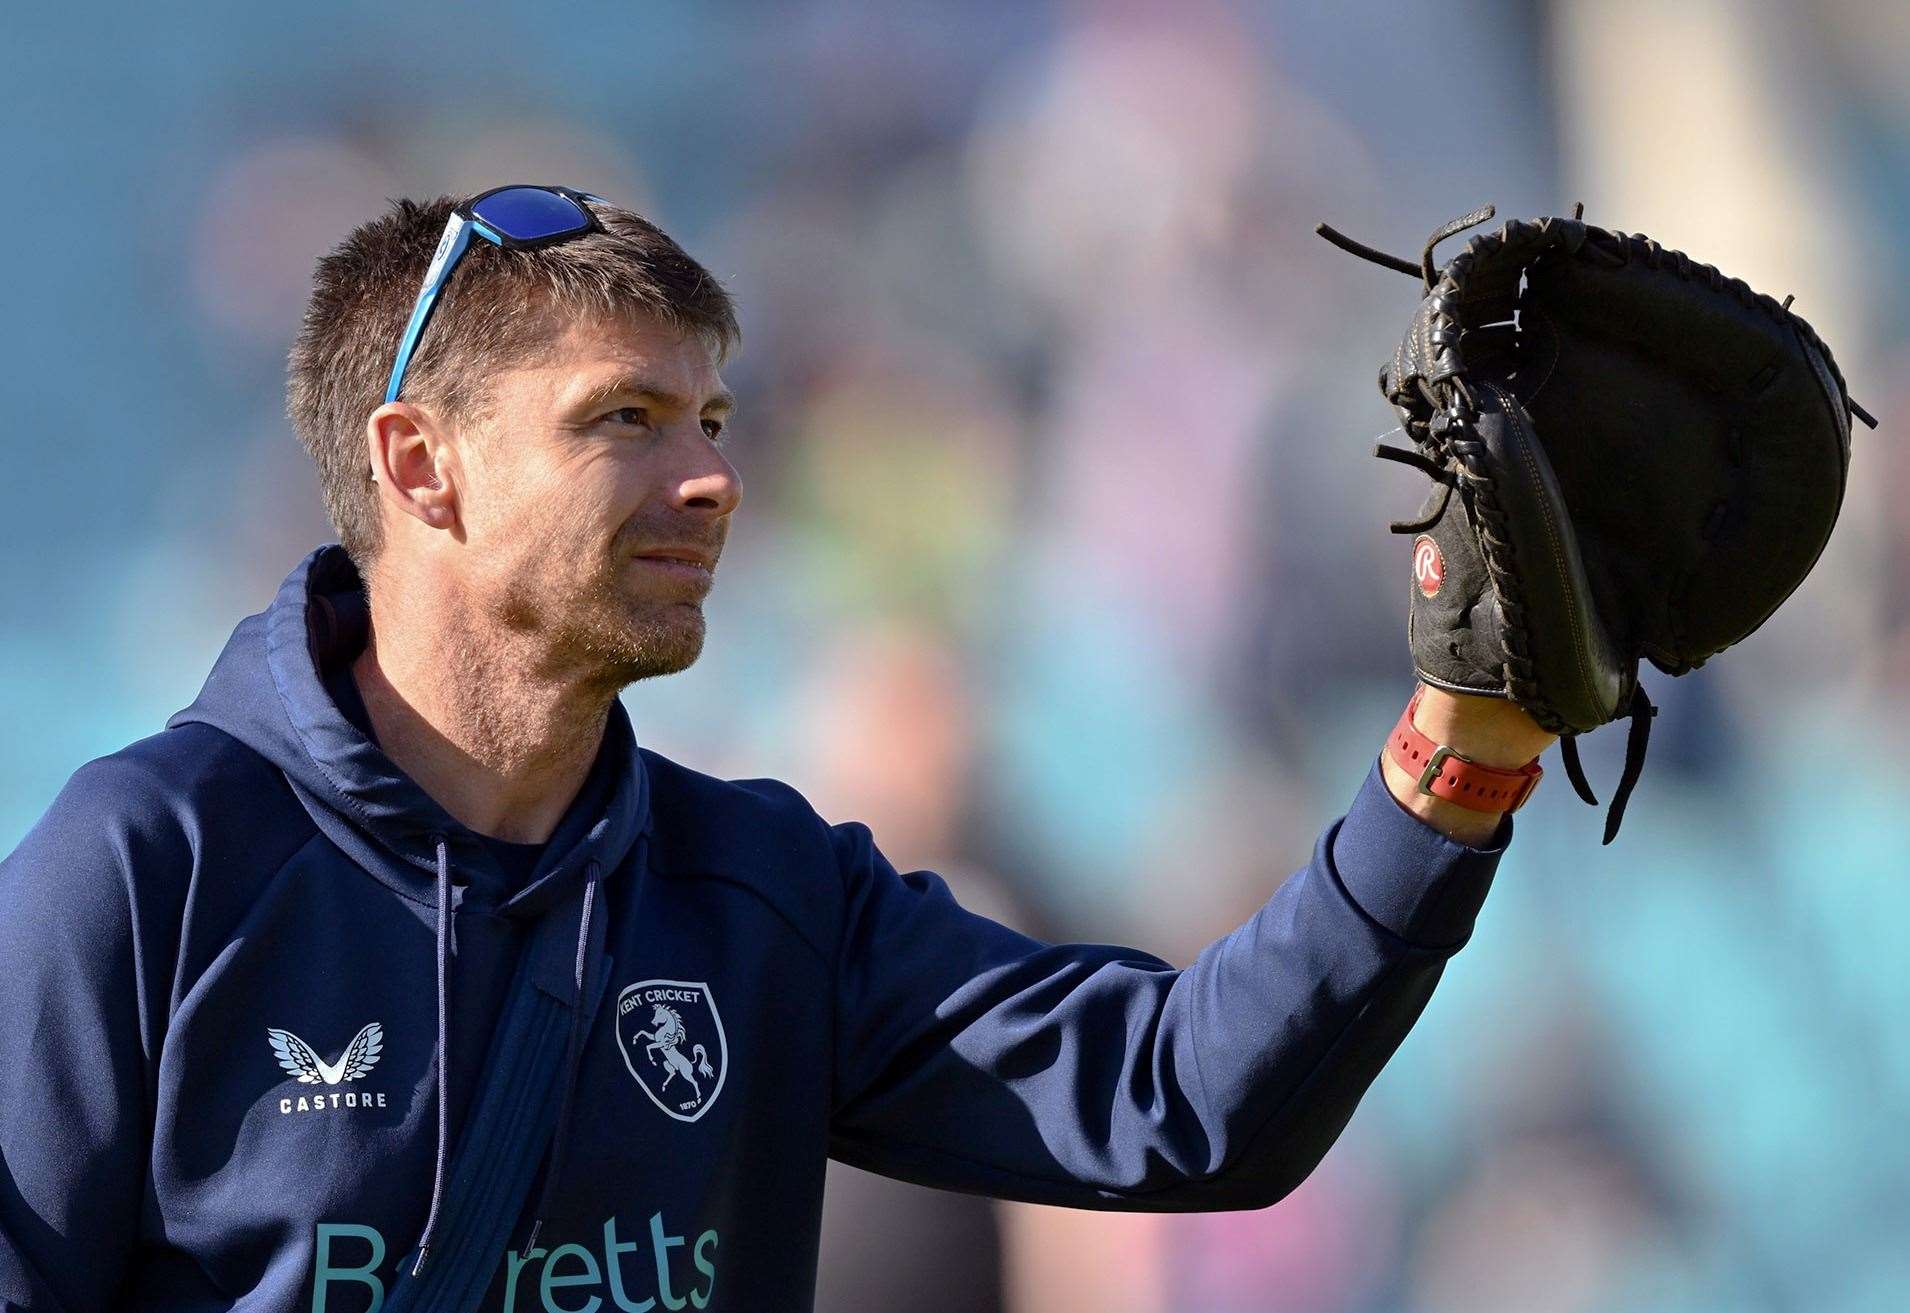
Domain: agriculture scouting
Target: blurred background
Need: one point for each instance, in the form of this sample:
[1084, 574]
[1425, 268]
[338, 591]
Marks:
[1062, 561]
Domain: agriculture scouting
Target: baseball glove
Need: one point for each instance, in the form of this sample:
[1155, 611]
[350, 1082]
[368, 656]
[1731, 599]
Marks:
[1632, 455]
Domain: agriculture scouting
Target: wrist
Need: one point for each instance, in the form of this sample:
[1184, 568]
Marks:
[1460, 824]
[1491, 731]
[1485, 732]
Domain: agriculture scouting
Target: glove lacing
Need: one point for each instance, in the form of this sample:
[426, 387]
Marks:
[1636, 739]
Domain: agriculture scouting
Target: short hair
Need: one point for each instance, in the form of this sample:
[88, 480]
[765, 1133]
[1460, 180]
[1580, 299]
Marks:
[500, 309]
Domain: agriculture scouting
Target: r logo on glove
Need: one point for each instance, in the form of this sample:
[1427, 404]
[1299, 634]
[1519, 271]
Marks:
[1428, 566]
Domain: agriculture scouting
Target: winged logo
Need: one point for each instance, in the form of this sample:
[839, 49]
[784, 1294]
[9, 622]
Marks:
[301, 1060]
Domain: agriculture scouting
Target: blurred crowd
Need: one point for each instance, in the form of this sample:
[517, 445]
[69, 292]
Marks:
[1061, 561]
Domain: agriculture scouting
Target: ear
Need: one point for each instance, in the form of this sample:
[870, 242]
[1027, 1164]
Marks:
[413, 464]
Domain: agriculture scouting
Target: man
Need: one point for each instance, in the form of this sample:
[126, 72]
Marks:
[394, 974]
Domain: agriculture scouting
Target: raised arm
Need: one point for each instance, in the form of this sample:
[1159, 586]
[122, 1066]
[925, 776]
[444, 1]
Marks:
[974, 1058]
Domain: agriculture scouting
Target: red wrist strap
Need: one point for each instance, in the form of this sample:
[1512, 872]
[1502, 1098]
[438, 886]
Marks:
[1444, 773]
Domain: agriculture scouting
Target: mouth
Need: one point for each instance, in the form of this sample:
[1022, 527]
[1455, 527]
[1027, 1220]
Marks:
[680, 552]
[687, 568]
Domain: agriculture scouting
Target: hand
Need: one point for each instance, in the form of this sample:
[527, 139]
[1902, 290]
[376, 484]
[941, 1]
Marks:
[1491, 731]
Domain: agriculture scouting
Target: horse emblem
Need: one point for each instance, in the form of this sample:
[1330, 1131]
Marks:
[672, 1041]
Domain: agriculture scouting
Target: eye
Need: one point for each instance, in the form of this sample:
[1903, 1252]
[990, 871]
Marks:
[639, 415]
[713, 428]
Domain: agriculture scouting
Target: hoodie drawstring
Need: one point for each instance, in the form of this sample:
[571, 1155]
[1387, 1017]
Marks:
[573, 1054]
[444, 1053]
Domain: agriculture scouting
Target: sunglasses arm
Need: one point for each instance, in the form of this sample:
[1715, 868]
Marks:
[451, 248]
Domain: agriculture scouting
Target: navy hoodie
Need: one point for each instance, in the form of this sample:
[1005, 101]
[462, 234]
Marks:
[271, 1020]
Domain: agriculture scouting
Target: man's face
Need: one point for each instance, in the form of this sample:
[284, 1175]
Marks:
[590, 470]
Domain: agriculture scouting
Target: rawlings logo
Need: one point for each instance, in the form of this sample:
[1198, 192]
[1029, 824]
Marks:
[1429, 567]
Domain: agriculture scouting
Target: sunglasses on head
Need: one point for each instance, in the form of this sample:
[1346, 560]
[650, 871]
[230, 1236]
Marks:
[517, 216]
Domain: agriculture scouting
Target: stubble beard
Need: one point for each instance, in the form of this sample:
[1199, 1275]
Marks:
[625, 638]
[598, 630]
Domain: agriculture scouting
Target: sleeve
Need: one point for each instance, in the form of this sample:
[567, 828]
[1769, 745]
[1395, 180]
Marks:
[75, 1045]
[970, 1057]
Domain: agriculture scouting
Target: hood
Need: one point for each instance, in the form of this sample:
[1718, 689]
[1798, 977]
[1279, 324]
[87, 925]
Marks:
[267, 690]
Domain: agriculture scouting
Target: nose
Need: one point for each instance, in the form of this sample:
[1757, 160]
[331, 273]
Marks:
[710, 484]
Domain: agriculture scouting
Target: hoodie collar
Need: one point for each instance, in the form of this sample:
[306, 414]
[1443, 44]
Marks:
[267, 689]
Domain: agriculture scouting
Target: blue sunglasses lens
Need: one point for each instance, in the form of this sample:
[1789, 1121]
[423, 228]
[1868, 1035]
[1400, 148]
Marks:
[531, 213]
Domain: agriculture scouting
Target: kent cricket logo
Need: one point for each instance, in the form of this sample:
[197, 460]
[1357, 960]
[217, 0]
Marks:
[301, 1060]
[672, 1041]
